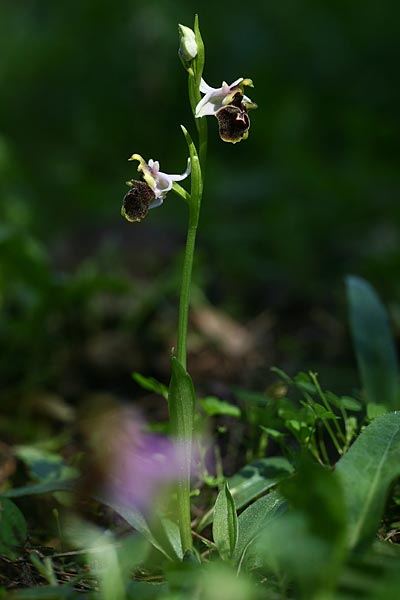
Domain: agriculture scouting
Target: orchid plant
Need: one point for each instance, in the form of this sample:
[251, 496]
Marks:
[230, 106]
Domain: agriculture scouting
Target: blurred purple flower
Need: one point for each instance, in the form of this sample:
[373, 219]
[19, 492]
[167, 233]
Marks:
[141, 464]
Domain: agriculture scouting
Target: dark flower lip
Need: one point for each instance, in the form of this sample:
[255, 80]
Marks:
[233, 121]
[137, 201]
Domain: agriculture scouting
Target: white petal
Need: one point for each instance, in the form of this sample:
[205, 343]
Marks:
[205, 88]
[184, 175]
[210, 103]
[235, 83]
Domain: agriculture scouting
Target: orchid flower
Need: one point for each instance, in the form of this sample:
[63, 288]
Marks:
[229, 105]
[149, 193]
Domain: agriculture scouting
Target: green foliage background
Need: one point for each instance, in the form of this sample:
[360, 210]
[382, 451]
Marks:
[312, 195]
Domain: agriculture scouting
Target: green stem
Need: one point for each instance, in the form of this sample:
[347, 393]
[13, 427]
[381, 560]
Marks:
[182, 396]
[185, 293]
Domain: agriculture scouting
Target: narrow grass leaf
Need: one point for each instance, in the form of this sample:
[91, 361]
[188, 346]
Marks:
[366, 472]
[373, 344]
[214, 406]
[151, 384]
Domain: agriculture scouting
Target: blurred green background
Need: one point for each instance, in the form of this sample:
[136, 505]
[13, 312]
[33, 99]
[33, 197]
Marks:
[311, 196]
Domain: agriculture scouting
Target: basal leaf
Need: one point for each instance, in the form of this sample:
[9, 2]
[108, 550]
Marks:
[162, 534]
[181, 401]
[366, 472]
[257, 477]
[306, 545]
[12, 528]
[253, 480]
[373, 344]
[64, 485]
[251, 523]
[225, 524]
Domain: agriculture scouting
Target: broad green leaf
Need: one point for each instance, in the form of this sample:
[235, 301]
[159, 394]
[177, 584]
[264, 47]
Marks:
[12, 529]
[366, 472]
[306, 545]
[375, 410]
[165, 539]
[43, 465]
[163, 534]
[214, 406]
[373, 344]
[253, 480]
[219, 581]
[151, 385]
[65, 485]
[258, 477]
[225, 524]
[314, 485]
[251, 523]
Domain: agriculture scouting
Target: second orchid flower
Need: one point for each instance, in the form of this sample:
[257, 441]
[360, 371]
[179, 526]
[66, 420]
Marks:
[150, 192]
[229, 105]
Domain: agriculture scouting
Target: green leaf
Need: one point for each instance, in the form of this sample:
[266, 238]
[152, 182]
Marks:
[252, 480]
[251, 523]
[200, 58]
[150, 384]
[196, 189]
[258, 477]
[366, 472]
[373, 344]
[140, 590]
[303, 381]
[65, 485]
[314, 485]
[214, 406]
[225, 524]
[375, 410]
[12, 529]
[346, 402]
[181, 402]
[43, 465]
[322, 412]
[181, 405]
[306, 545]
[162, 534]
[274, 433]
[282, 375]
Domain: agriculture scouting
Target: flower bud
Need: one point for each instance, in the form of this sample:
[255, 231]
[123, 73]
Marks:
[187, 44]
